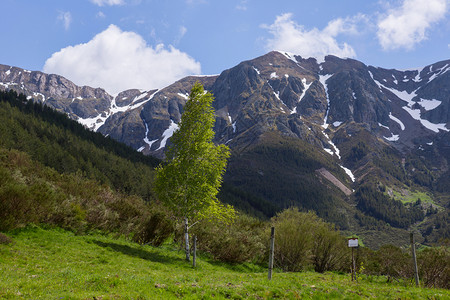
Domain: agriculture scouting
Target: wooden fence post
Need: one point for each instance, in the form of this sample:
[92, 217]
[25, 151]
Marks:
[353, 266]
[272, 246]
[186, 237]
[194, 255]
[413, 252]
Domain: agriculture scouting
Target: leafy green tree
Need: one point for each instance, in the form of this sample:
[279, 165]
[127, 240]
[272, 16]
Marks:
[189, 181]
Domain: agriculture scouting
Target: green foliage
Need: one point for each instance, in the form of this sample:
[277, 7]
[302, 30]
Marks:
[436, 227]
[376, 204]
[396, 263]
[418, 171]
[52, 139]
[240, 241]
[434, 267]
[33, 193]
[189, 182]
[281, 172]
[304, 241]
[389, 160]
[156, 229]
[358, 152]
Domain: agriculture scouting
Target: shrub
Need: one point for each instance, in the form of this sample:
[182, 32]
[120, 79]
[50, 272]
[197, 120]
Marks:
[390, 261]
[304, 241]
[238, 242]
[329, 250]
[156, 228]
[434, 267]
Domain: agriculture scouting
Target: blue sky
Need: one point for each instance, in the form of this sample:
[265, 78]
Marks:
[120, 44]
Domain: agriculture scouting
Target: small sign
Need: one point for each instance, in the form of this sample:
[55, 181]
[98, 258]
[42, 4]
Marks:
[353, 242]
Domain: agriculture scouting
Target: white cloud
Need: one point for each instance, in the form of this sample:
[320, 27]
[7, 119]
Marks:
[292, 37]
[407, 25]
[242, 5]
[181, 32]
[100, 15]
[66, 18]
[118, 60]
[108, 2]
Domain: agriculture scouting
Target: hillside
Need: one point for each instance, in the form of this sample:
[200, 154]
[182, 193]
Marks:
[52, 139]
[52, 263]
[54, 171]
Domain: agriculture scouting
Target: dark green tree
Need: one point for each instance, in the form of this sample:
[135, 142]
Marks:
[190, 179]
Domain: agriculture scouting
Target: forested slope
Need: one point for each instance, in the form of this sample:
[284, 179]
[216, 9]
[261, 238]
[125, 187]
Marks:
[54, 140]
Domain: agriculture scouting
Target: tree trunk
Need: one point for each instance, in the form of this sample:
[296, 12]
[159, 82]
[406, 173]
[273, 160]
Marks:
[186, 238]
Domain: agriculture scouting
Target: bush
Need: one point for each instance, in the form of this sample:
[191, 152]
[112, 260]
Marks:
[238, 242]
[33, 193]
[329, 250]
[434, 267]
[156, 228]
[390, 261]
[304, 241]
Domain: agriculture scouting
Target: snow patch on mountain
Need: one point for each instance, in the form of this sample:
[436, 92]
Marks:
[439, 72]
[146, 140]
[92, 123]
[323, 79]
[185, 96]
[392, 138]
[402, 126]
[306, 88]
[37, 95]
[168, 134]
[330, 142]
[277, 96]
[349, 173]
[288, 56]
[429, 104]
[418, 78]
[233, 124]
[95, 123]
[415, 113]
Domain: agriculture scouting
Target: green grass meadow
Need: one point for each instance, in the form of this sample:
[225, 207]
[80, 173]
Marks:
[45, 263]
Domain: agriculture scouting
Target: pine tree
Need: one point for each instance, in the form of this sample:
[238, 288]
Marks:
[190, 179]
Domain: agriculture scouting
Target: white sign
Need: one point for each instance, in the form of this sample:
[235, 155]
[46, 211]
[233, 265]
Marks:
[353, 242]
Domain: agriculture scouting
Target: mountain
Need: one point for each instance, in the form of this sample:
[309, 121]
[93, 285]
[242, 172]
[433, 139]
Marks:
[365, 147]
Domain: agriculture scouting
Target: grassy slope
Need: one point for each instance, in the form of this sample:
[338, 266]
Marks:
[51, 263]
